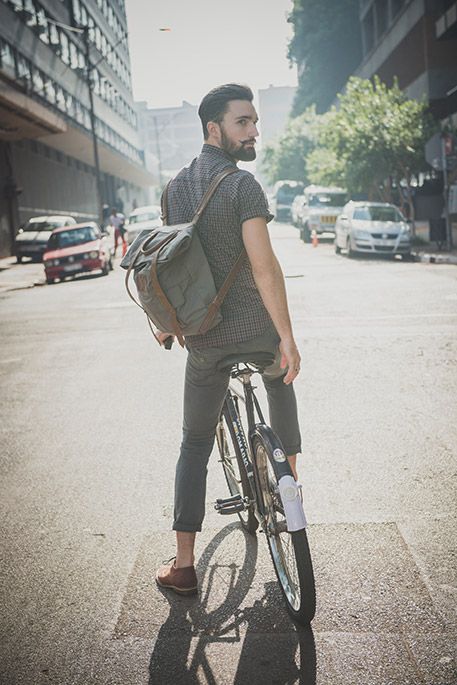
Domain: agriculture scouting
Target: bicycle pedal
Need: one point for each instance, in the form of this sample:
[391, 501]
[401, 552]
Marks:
[230, 505]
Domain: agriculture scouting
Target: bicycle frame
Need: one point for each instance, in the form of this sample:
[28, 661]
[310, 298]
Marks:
[288, 488]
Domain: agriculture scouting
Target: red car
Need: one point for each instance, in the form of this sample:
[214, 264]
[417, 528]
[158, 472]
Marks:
[77, 249]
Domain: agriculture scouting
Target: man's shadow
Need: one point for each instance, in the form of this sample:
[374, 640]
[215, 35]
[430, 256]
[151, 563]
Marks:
[193, 627]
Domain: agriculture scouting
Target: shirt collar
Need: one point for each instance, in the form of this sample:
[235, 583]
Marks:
[218, 152]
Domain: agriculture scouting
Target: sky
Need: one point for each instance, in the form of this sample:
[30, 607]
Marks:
[211, 42]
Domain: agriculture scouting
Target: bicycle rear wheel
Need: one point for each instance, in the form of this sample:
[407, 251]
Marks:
[234, 471]
[289, 551]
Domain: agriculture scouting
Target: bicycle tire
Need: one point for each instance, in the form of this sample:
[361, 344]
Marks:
[234, 471]
[289, 551]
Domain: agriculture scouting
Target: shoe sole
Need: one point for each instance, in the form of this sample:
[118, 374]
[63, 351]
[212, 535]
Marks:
[178, 590]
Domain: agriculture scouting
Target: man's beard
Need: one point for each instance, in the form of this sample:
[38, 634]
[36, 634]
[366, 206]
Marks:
[237, 151]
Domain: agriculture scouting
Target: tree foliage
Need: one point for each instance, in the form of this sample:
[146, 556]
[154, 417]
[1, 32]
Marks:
[327, 48]
[285, 158]
[376, 138]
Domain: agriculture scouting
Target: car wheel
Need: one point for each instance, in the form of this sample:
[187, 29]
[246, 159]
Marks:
[49, 281]
[337, 248]
[407, 257]
[110, 264]
[19, 259]
[306, 234]
[105, 270]
[349, 251]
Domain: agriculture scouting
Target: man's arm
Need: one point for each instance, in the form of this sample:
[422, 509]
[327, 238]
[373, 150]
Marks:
[269, 280]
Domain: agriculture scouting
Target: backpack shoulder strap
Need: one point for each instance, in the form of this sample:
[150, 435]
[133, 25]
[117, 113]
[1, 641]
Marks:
[164, 204]
[210, 192]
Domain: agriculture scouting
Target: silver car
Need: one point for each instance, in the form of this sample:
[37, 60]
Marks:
[149, 214]
[372, 228]
[32, 239]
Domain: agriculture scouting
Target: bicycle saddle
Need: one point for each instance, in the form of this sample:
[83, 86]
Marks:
[259, 359]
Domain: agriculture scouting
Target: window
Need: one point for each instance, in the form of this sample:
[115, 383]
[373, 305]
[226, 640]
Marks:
[77, 11]
[64, 48]
[23, 68]
[60, 99]
[37, 81]
[42, 26]
[6, 56]
[73, 56]
[53, 35]
[49, 90]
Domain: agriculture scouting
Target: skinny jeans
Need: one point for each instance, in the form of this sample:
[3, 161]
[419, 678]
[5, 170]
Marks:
[204, 393]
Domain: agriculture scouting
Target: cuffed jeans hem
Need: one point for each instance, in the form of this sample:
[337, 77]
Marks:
[290, 451]
[183, 528]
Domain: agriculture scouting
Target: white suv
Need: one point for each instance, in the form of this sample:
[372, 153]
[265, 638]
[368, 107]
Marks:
[320, 210]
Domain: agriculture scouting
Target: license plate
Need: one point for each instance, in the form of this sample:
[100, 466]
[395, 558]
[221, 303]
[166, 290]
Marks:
[72, 267]
[328, 220]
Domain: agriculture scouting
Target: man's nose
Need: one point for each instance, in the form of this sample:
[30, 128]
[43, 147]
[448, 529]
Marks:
[254, 133]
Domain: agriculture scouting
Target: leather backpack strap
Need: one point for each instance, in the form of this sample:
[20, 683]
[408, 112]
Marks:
[210, 192]
[177, 331]
[220, 297]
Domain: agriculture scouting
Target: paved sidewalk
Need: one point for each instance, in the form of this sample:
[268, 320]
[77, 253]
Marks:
[14, 276]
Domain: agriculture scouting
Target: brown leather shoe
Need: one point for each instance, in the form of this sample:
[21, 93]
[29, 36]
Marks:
[180, 580]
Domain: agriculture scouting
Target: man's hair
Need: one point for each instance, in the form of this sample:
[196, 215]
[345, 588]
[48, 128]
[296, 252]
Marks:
[214, 104]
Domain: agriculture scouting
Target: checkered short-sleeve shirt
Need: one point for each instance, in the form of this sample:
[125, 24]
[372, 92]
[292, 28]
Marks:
[239, 198]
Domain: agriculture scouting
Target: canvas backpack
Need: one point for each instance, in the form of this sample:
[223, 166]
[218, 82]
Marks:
[172, 275]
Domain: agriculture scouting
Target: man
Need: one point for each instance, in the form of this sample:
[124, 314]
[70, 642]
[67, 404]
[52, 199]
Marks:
[255, 312]
[117, 221]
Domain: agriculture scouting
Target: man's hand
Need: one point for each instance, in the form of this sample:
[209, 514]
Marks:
[161, 337]
[290, 357]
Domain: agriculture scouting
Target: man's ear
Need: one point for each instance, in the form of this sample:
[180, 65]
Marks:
[213, 129]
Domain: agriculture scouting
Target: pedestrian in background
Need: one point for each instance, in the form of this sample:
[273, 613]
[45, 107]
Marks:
[117, 221]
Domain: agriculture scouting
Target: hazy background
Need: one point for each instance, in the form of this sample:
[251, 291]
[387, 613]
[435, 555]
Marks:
[210, 43]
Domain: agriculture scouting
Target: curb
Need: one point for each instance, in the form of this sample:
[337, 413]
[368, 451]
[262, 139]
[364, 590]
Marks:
[435, 258]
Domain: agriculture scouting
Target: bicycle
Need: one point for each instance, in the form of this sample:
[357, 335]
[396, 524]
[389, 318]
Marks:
[262, 488]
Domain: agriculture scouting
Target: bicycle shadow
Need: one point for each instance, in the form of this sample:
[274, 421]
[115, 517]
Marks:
[196, 635]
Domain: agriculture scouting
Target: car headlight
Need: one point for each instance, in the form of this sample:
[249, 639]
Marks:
[48, 262]
[405, 230]
[56, 262]
[362, 235]
[94, 254]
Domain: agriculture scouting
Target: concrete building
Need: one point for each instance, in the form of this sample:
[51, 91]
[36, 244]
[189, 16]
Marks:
[275, 104]
[46, 145]
[415, 41]
[170, 136]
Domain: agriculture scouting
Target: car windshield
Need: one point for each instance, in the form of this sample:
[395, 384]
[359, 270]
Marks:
[43, 225]
[287, 193]
[76, 236]
[150, 215]
[378, 214]
[327, 200]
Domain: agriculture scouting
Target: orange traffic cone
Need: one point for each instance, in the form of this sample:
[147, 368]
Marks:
[314, 238]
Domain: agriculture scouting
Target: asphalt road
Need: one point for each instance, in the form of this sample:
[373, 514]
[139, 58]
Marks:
[90, 433]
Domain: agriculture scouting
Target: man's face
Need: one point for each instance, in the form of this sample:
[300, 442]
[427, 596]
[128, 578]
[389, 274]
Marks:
[238, 131]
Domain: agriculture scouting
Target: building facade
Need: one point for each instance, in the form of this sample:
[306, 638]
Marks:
[414, 41]
[171, 137]
[275, 105]
[47, 163]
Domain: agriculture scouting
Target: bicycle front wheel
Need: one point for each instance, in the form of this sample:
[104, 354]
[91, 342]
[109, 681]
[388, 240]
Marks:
[234, 471]
[289, 551]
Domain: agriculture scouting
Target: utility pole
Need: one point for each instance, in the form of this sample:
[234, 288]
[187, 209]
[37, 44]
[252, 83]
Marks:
[446, 192]
[159, 156]
[92, 125]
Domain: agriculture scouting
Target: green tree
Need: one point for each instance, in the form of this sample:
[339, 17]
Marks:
[326, 46]
[376, 137]
[285, 158]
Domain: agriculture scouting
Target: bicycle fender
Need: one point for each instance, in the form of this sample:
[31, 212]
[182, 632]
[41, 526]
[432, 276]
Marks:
[288, 489]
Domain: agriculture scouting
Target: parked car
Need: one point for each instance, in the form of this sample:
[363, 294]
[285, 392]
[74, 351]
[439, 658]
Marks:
[296, 210]
[372, 228]
[149, 213]
[320, 210]
[77, 249]
[284, 194]
[32, 238]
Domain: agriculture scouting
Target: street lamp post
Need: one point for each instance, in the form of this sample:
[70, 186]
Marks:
[84, 31]
[92, 125]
